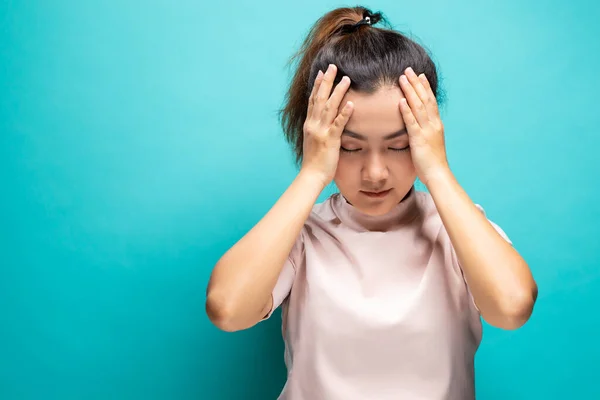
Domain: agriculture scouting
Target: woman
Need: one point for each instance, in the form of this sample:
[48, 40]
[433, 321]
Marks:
[382, 287]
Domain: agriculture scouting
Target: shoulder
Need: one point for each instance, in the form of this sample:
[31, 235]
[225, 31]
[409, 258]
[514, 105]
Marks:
[323, 213]
[325, 209]
[429, 209]
[320, 216]
[426, 204]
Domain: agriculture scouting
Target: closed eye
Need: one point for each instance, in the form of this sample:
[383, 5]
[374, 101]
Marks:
[402, 149]
[391, 148]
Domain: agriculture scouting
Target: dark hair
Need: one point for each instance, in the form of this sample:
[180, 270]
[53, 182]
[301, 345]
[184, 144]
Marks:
[371, 57]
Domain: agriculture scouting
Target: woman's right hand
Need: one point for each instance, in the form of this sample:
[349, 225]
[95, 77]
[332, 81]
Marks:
[324, 124]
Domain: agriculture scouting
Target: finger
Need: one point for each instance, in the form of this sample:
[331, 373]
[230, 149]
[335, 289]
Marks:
[342, 119]
[417, 85]
[410, 122]
[332, 107]
[313, 93]
[324, 90]
[415, 103]
[432, 106]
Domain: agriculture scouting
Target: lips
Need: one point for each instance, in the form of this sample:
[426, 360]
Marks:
[376, 194]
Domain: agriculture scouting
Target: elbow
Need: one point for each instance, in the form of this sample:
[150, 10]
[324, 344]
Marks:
[221, 313]
[516, 310]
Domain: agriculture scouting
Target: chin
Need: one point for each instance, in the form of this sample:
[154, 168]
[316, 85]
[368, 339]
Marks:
[376, 207]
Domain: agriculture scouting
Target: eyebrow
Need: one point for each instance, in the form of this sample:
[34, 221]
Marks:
[363, 137]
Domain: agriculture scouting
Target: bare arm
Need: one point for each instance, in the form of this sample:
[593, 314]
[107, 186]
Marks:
[241, 284]
[500, 280]
[240, 287]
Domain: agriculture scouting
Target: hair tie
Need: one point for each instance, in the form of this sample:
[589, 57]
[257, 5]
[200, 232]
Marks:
[365, 21]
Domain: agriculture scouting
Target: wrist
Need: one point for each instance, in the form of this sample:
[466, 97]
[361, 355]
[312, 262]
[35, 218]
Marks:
[437, 176]
[314, 179]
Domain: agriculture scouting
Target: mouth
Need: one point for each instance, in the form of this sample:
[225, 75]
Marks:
[376, 195]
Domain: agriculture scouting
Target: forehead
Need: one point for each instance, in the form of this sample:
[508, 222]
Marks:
[375, 114]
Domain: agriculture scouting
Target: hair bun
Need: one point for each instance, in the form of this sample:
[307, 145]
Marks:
[373, 18]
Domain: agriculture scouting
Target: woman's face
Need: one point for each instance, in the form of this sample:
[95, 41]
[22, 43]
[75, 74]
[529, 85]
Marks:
[374, 154]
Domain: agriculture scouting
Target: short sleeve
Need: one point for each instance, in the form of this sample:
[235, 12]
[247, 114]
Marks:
[498, 229]
[286, 276]
[455, 257]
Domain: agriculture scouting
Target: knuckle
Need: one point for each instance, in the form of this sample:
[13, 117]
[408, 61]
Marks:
[321, 98]
[309, 127]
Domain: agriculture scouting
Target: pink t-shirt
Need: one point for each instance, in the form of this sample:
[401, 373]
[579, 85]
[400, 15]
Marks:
[377, 307]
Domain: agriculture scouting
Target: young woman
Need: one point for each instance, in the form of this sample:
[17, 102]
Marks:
[382, 287]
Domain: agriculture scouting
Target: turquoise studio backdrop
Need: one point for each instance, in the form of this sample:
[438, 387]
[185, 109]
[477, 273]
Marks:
[140, 140]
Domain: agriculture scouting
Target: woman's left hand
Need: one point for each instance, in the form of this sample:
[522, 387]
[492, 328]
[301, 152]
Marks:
[424, 127]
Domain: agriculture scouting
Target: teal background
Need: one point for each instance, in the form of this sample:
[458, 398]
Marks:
[139, 141]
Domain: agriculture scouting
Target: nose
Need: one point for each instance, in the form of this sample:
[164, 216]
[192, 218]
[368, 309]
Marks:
[375, 170]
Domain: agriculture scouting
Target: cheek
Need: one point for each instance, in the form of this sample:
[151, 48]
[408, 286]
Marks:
[403, 167]
[347, 172]
[404, 163]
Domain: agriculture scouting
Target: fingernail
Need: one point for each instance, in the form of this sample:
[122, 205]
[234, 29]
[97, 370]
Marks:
[410, 70]
[403, 78]
[422, 77]
[330, 68]
[320, 74]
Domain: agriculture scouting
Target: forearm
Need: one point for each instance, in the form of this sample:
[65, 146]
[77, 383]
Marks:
[242, 280]
[498, 277]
